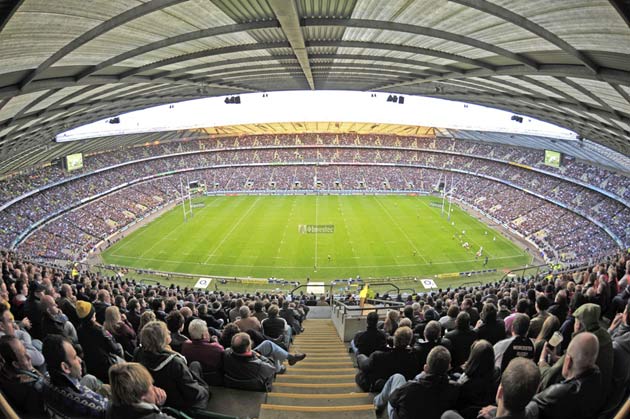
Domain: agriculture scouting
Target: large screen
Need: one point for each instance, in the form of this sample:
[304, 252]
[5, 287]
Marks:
[74, 162]
[552, 158]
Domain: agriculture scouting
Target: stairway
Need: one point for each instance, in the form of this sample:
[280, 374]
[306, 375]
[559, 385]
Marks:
[322, 385]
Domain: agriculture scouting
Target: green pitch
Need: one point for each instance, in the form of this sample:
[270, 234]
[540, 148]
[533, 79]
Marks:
[274, 236]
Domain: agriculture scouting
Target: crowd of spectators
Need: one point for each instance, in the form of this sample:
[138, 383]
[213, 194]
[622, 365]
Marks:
[554, 346]
[352, 163]
[65, 347]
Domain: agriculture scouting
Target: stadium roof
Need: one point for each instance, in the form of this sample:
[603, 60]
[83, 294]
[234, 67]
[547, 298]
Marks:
[65, 63]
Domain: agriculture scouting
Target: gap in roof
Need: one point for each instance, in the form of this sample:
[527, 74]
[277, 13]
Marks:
[316, 106]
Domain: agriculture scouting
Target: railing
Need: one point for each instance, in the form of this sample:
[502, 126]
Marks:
[329, 286]
[376, 305]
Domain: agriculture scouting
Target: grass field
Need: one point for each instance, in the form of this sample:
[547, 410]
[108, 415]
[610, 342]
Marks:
[259, 236]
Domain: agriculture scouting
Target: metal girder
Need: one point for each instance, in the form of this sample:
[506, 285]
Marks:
[287, 14]
[530, 26]
[495, 99]
[10, 9]
[623, 8]
[556, 70]
[424, 31]
[404, 48]
[186, 37]
[385, 70]
[116, 21]
[204, 54]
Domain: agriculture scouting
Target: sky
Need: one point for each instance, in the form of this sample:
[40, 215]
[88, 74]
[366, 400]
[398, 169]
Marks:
[320, 106]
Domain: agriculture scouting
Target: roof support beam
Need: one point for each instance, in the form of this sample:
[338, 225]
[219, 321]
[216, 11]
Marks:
[423, 31]
[109, 24]
[183, 38]
[530, 26]
[10, 9]
[623, 8]
[287, 14]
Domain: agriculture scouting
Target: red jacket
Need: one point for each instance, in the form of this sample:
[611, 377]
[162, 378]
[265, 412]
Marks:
[209, 354]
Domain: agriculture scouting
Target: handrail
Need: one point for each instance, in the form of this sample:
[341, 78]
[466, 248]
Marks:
[511, 271]
[6, 409]
[371, 284]
[330, 291]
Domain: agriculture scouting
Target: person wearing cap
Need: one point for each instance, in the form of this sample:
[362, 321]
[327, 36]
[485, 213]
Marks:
[586, 320]
[100, 349]
[370, 340]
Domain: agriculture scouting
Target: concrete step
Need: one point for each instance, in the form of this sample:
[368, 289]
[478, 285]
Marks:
[297, 399]
[324, 364]
[310, 388]
[297, 370]
[315, 378]
[268, 411]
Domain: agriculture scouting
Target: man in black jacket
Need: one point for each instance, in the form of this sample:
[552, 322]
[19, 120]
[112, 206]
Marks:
[375, 370]
[489, 327]
[518, 385]
[579, 394]
[428, 395]
[461, 339]
[371, 339]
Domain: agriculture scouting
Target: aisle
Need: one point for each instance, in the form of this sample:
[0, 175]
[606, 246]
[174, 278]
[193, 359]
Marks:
[321, 386]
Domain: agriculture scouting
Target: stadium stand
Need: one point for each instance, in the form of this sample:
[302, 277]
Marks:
[107, 197]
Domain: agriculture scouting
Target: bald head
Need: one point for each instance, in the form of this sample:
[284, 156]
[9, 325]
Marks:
[581, 354]
[48, 303]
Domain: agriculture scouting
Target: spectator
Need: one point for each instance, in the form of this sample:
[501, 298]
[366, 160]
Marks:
[99, 347]
[103, 300]
[448, 322]
[620, 333]
[133, 314]
[380, 365]
[432, 333]
[68, 393]
[276, 328]
[121, 330]
[542, 304]
[246, 321]
[175, 325]
[586, 320]
[210, 319]
[473, 312]
[133, 394]
[431, 392]
[519, 383]
[391, 322]
[519, 345]
[208, 352]
[371, 339]
[480, 380]
[489, 327]
[67, 304]
[20, 382]
[551, 325]
[461, 339]
[146, 317]
[259, 312]
[579, 395]
[9, 328]
[560, 307]
[54, 321]
[245, 368]
[184, 387]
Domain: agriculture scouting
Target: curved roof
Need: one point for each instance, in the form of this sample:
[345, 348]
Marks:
[64, 63]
